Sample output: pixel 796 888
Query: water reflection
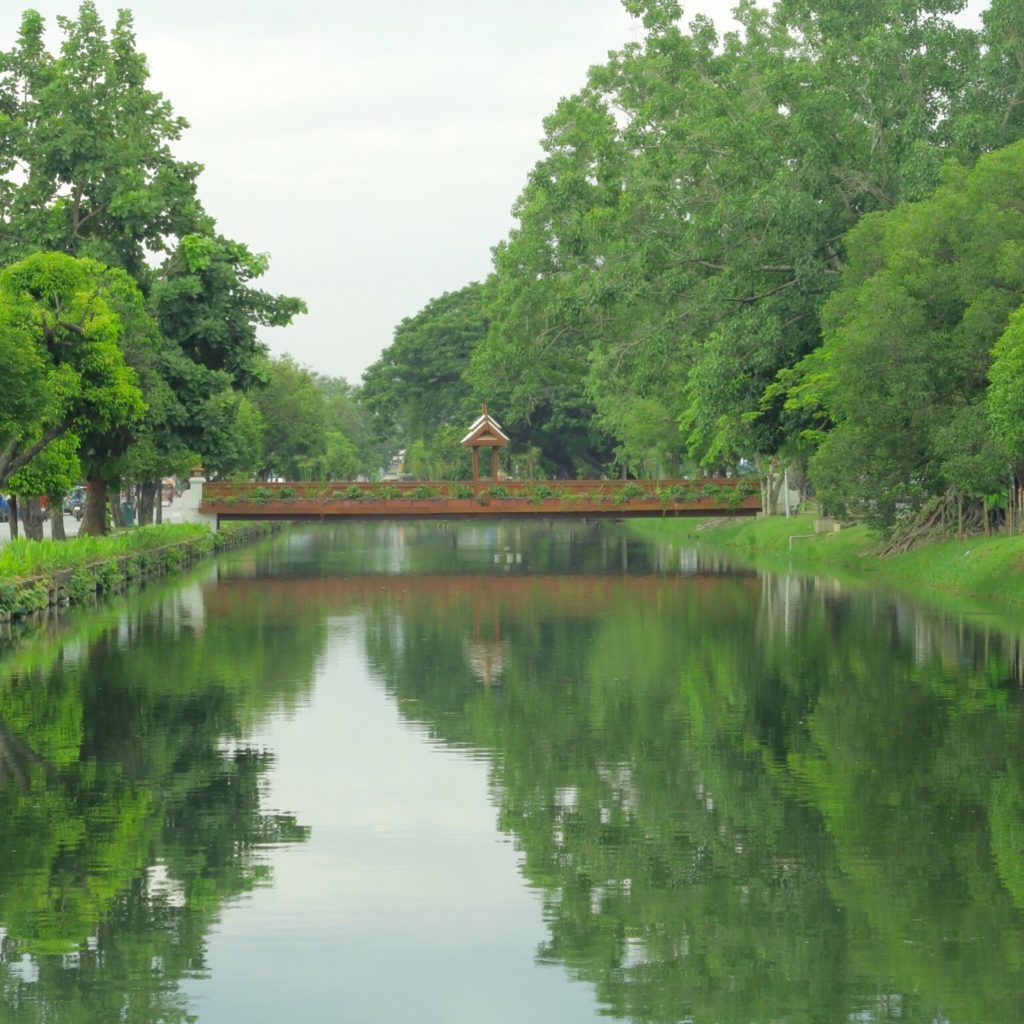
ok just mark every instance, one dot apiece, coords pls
pixel 130 804
pixel 743 799
pixel 739 797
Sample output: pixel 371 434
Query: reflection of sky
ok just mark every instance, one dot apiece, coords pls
pixel 405 905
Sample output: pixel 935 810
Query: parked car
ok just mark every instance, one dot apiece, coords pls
pixel 5 511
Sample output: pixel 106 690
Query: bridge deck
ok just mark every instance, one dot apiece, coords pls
pixel 507 498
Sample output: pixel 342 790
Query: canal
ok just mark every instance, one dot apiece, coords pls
pixel 510 773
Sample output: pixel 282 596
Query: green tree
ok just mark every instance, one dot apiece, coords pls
pixel 61 313
pixel 89 170
pixel 677 240
pixel 1005 397
pixel 52 473
pixel 350 428
pixel 543 301
pixel 904 371
pixel 93 145
pixel 417 387
pixel 293 412
pixel 209 311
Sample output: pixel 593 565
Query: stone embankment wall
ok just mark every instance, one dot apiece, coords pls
pixel 21 598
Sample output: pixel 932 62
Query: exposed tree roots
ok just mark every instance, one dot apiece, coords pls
pixel 950 515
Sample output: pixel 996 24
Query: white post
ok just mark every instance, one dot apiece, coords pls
pixel 185 509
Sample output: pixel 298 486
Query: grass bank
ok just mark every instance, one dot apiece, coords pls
pixel 987 569
pixel 35 575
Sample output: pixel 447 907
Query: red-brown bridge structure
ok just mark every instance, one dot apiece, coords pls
pixel 475 499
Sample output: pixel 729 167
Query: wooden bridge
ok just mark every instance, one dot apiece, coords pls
pixel 581 499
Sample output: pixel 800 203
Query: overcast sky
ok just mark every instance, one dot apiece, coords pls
pixel 373 150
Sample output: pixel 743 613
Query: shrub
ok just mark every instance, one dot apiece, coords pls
pixel 107 575
pixel 28 599
pixel 421 492
pixel 498 492
pixel 81 583
pixel 462 491
pixel 676 493
pixel 389 493
pixel 286 492
pixel 8 596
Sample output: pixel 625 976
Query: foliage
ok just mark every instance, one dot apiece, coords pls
pixel 113 764
pixel 209 312
pixel 304 418
pixel 903 375
pixel 53 472
pixel 92 145
pixel 1005 396
pixel 726 829
pixel 675 243
pixel 416 388
pixel 67 318
pixel 441 456
pixel 87 169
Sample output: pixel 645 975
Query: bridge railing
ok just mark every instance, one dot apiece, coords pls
pixel 705 494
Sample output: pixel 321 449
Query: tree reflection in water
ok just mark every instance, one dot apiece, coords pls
pixel 130 805
pixel 742 798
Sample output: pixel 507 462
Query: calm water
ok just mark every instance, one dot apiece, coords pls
pixel 510 774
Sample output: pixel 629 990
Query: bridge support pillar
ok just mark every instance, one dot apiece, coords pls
pixel 185 509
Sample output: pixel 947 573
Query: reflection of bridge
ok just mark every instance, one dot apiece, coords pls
pixel 584 499
pixel 479 610
pixel 446 595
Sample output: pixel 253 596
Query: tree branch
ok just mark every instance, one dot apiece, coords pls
pixel 749 300
pixel 12 460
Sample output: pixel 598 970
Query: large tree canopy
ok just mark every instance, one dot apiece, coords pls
pixel 62 338
pixel 90 143
pixel 417 387
pixel 903 376
pixel 675 244
pixel 87 168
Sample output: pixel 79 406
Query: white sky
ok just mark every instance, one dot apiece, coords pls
pixel 373 150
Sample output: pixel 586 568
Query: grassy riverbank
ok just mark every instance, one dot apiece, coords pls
pixel 989 569
pixel 38 574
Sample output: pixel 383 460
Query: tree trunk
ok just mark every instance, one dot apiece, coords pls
pixel 94 518
pixel 12 513
pixel 158 502
pixel 146 505
pixel 57 519
pixel 33 518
